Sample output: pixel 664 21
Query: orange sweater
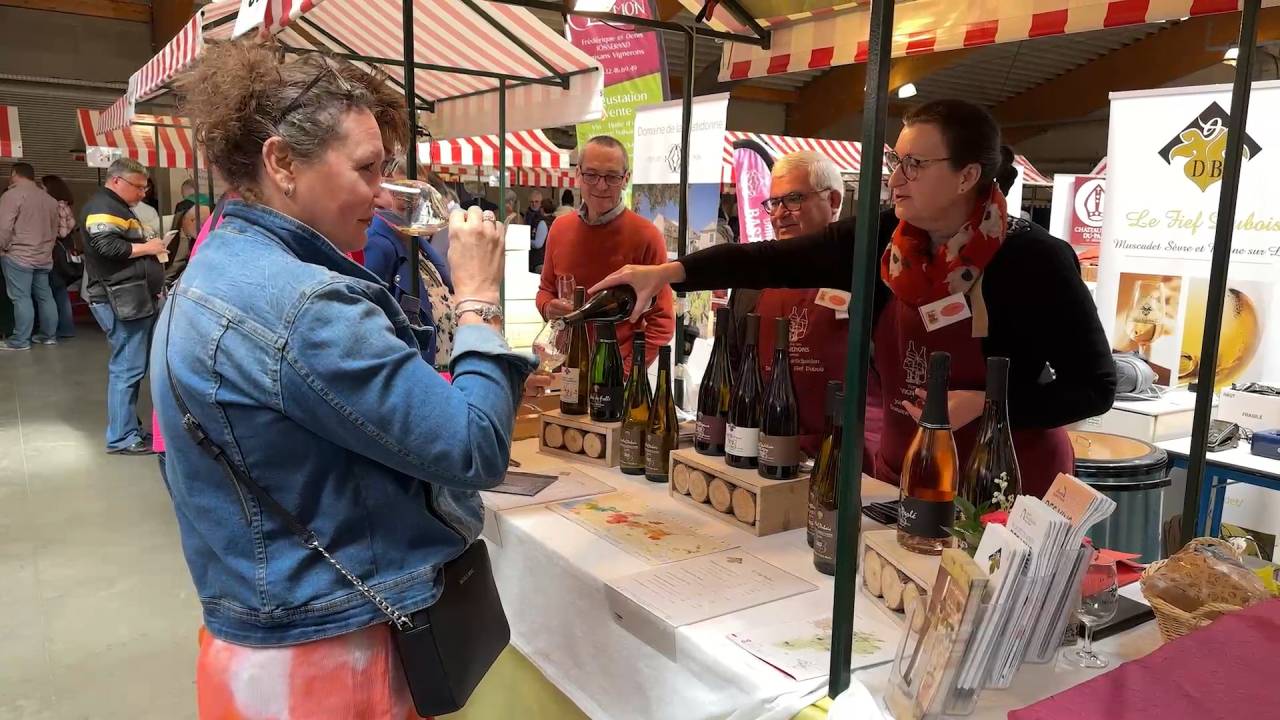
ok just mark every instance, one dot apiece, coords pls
pixel 591 252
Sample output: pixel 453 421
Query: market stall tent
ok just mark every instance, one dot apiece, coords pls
pixel 10 133
pixel 532 160
pixel 161 141
pixel 1029 174
pixel 846 154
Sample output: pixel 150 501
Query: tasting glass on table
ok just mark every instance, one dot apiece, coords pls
pixel 1099 598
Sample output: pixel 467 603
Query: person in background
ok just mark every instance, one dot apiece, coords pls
pixel 953 236
pixel 512 209
pixel 566 204
pixel 68 263
pixel 542 226
pixel 148 215
pixel 387 255
pixel 187 200
pixel 533 214
pixel 28 231
pixel 602 237
pixel 181 239
pixel 805 196
pixel 123 279
pixel 318 380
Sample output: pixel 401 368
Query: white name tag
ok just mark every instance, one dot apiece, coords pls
pixel 947 311
pixel 837 300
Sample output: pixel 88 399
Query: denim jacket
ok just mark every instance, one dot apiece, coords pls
pixel 303 369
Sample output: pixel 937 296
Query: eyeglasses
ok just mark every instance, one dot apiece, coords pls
pixel 909 164
pixel 298 99
pixel 594 178
pixel 790 201
pixel 140 188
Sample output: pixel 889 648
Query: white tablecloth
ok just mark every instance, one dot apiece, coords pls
pixel 551 573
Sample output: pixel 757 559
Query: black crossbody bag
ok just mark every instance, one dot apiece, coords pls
pixel 445 649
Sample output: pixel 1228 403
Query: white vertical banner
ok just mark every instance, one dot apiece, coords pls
pixel 1165 161
pixel 657 141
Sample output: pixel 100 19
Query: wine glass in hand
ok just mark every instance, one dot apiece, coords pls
pixel 1099 596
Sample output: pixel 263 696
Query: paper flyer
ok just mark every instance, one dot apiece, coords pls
pixel 802 649
pixel 655 536
pixel 569 485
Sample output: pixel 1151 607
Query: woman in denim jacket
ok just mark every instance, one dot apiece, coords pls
pixel 301 366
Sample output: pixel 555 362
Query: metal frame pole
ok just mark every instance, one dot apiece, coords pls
pixel 411 152
pixel 1240 92
pixel 502 181
pixel 849 515
pixel 686 120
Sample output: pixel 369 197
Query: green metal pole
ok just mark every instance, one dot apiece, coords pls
pixel 502 181
pixel 686 120
pixel 1191 527
pixel 848 519
pixel 411 152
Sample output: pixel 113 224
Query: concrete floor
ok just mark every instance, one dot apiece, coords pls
pixel 98 616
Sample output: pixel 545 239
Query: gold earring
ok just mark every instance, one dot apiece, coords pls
pixel 288 191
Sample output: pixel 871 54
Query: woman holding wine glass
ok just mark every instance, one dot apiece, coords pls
pixel 958 274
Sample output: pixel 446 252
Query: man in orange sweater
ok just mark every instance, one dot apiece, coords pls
pixel 602 237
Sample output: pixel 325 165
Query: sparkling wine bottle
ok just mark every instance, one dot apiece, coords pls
pixel 993 465
pixel 612 304
pixel 635 420
pixel 577 370
pixel 664 428
pixel 930 471
pixel 605 398
pixel 826 492
pixel 780 421
pixel 829 443
pixel 715 393
pixel 742 433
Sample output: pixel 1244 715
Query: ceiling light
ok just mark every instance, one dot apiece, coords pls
pixel 907 91
pixel 1229 57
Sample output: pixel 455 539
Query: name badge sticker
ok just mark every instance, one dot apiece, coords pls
pixel 947 311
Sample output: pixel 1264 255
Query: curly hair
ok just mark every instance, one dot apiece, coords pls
pixel 241 93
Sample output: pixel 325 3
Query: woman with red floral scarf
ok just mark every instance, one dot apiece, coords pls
pixel 953 241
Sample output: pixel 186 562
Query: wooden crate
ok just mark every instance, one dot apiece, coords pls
pixel 609 434
pixel 779 505
pixel 919 569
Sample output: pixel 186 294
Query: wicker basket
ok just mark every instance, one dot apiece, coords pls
pixel 1174 622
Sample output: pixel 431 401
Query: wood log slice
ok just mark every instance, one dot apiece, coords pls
pixel 721 495
pixel 573 440
pixel 872 572
pixel 913 605
pixel 680 478
pixel 744 505
pixel 553 436
pixel 593 445
pixel 698 483
pixel 893 582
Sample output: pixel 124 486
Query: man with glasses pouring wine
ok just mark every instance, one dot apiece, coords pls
pixel 960 277
pixel 602 237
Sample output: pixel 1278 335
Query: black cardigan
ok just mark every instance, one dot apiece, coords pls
pixel 1039 310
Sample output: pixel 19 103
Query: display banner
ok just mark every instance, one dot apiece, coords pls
pixel 1077 213
pixel 753 173
pixel 1165 160
pixel 634 68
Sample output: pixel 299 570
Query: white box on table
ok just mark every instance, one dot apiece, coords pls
pixel 1249 410
pixel 1153 421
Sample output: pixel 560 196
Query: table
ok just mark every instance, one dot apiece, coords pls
pixel 551 573
pixel 1236 465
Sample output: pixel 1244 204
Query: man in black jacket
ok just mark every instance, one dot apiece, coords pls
pixel 123 279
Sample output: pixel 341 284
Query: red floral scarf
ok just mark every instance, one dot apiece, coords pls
pixel 918 274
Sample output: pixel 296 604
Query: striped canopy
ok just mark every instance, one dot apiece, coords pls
pixel 835 33
pixel 525 149
pixel 516 177
pixel 10 133
pixel 161 141
pixel 1030 175
pixel 846 154
pixel 1101 168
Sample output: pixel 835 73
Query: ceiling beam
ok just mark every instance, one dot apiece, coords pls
pixel 668 9
pixel 167 18
pixel 738 91
pixel 1154 61
pixel 130 10
pixel 840 91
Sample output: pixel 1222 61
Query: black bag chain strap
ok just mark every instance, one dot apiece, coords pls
pixel 240 478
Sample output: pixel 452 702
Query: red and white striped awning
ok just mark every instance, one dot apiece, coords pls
pixel 846 154
pixel 471 35
pixel 154 140
pixel 1100 169
pixel 525 149
pixel 516 177
pixel 838 35
pixel 1030 175
pixel 208 23
pixel 10 133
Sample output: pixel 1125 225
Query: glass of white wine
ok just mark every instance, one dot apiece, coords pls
pixel 1146 315
pixel 551 346
pixel 1099 599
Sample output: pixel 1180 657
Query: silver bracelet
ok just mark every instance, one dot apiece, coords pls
pixel 485 309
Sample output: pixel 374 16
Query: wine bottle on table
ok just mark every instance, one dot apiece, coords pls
pixel 930 471
pixel 635 408
pixel 993 464
pixel 716 392
pixel 664 427
pixel 780 421
pixel 612 304
pixel 577 365
pixel 605 398
pixel 826 492
pixel 742 432
pixel 829 443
